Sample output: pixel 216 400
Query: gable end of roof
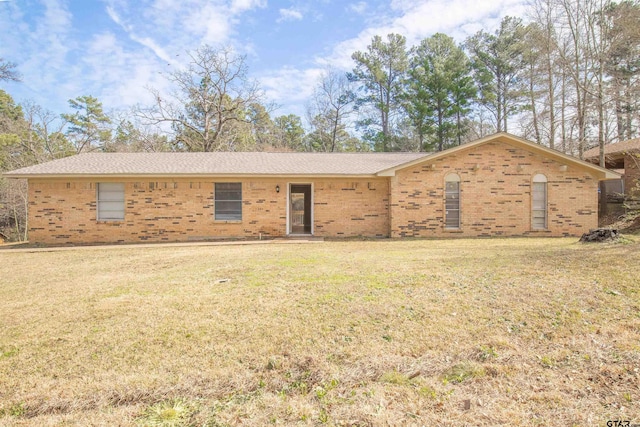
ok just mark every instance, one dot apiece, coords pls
pixel 599 172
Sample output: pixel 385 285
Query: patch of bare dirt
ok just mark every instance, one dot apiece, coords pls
pixel 628 223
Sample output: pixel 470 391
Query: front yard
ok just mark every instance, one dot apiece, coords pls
pixel 531 332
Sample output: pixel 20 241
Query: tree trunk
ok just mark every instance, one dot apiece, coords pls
pixel 563 106
pixel 458 127
pixel 334 133
pixel 440 134
pixel 629 100
pixel 580 107
pixel 499 103
pixel 603 195
pixel 551 98
pixel 532 99
pixel 384 116
pixel 617 90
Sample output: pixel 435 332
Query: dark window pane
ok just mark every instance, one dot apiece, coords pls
pixel 229 191
pixel 452 205
pixel 453 214
pixel 539 222
pixel 539 205
pixel 226 211
pixel 453 219
pixel 228 201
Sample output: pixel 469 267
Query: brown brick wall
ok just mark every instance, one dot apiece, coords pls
pixel 180 210
pixel 352 208
pixel 495 200
pixel 495 195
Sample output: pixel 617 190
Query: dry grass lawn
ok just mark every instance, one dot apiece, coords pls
pixel 530 332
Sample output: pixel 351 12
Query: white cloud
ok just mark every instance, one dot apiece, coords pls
pixel 53 29
pixel 358 8
pixel 41 46
pixel 163 31
pixel 134 89
pixel 149 43
pixel 209 24
pixel 114 16
pixel 290 87
pixel 119 77
pixel 238 6
pixel 290 14
pixel 170 27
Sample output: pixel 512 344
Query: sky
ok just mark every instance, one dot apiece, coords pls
pixel 116 50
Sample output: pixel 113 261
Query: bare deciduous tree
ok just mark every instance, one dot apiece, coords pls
pixel 211 94
pixel 329 109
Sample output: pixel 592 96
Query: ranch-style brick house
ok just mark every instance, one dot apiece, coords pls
pixel 500 185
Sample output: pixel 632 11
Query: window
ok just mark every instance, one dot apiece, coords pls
pixel 110 201
pixel 228 201
pixel 539 202
pixel 452 201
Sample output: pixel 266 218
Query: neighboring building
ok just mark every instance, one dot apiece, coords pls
pixel 622 156
pixel 500 185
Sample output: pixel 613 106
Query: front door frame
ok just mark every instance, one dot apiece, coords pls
pixel 288 225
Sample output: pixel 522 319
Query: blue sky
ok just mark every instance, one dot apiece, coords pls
pixel 116 49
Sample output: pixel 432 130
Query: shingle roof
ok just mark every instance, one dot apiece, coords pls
pixel 220 163
pixel 618 147
pixel 268 164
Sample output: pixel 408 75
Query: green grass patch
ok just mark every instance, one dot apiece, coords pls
pixel 171 413
pixel 462 372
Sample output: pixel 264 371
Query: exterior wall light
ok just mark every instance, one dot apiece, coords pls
pixel 277 188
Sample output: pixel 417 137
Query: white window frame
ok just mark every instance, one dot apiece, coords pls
pixel 216 200
pixel 455 178
pixel 539 186
pixel 110 193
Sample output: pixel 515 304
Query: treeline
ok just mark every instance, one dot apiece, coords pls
pixel 568 77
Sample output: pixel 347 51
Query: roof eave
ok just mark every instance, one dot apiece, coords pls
pixel 610 151
pixel 609 174
pixel 181 175
pixel 392 170
pixel 607 156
